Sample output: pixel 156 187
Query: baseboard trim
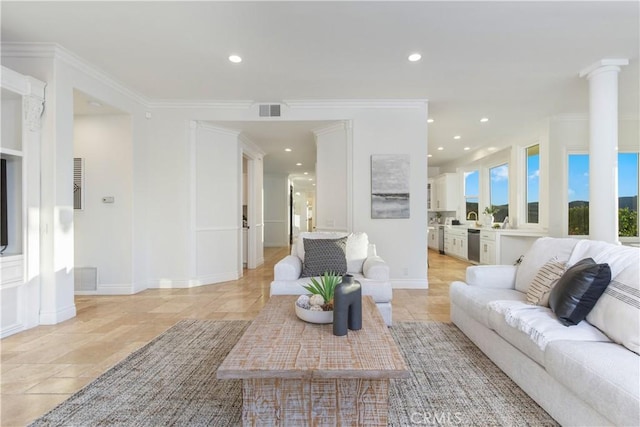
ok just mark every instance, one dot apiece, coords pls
pixel 55 317
pixel 193 283
pixel 409 284
pixel 13 329
pixel 109 290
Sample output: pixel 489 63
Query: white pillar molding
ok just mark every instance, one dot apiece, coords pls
pixel 603 148
pixel 32 107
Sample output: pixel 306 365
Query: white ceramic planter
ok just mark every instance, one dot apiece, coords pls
pixel 314 316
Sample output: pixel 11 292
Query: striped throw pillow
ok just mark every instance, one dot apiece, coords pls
pixel 544 280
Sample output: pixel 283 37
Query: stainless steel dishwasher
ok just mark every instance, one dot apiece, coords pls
pixel 473 245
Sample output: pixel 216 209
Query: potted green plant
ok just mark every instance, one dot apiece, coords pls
pixel 491 210
pixel 324 288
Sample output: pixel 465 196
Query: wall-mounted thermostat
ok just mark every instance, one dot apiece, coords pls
pixel 108 199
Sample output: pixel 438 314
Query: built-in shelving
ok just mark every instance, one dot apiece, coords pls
pixel 22 102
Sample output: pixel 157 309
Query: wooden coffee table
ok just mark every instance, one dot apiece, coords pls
pixel 296 373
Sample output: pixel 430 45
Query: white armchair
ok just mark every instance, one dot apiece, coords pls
pixel 362 262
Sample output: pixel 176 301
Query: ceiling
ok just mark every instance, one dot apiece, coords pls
pixel 512 62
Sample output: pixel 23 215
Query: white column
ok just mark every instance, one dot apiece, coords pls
pixel 603 148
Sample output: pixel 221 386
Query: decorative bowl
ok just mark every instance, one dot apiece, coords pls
pixel 314 316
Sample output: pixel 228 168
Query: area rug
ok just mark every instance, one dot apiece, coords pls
pixel 172 382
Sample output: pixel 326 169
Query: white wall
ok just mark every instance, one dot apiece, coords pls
pixel 102 230
pixel 276 210
pixel 256 211
pixel 11 131
pixel 401 242
pixel 333 157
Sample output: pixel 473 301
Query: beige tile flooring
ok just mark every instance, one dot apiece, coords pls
pixel 43 366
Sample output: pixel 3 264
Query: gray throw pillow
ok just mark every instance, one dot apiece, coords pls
pixel 322 255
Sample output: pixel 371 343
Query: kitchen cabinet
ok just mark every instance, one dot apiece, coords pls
pixel 431 185
pixel 506 246
pixel 456 242
pixel 487 247
pixel 446 194
pixel 433 238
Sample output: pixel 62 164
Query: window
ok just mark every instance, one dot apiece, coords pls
pixel 471 192
pixel 533 184
pixel 578 168
pixel 627 194
pixel 499 191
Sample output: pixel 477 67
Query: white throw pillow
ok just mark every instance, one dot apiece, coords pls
pixel 540 252
pixel 617 312
pixel 544 281
pixel 357 251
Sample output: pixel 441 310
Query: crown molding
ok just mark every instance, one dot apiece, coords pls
pixel 251 147
pixel 183 103
pixel 333 127
pixel 225 131
pixel 55 51
pixel 570 117
pixel 14 81
pixel 585 117
pixel 357 103
pixel 603 65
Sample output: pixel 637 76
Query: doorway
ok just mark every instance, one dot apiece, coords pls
pixel 103 197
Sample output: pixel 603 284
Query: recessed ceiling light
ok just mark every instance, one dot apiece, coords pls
pixel 484 120
pixel 298 164
pixel 414 57
pixel 457 137
pixel 288 150
pixel 313 185
pixel 310 179
pixel 94 103
pixel 440 148
pixel 297 193
pixel 429 120
pixel 467 148
pixel 306 173
pixel 235 59
pixel 430 155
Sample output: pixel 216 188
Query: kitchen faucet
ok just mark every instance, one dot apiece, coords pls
pixel 472 212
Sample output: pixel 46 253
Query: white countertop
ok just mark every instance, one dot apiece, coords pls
pixel 504 231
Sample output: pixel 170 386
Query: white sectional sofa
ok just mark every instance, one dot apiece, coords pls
pixel 362 262
pixel 587 374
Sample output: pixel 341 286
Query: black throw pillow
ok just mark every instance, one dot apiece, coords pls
pixel 578 290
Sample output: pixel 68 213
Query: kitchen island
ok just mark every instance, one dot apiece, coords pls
pixel 497 245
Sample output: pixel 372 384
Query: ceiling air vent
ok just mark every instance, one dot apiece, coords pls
pixel 270 110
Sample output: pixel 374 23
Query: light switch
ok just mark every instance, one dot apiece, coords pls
pixel 108 199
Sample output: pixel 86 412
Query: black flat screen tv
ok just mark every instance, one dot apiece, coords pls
pixel 4 237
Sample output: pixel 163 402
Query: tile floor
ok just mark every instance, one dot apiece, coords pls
pixel 43 366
